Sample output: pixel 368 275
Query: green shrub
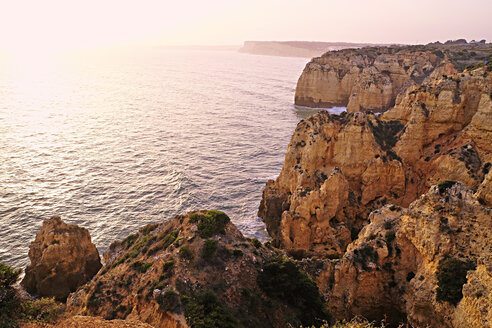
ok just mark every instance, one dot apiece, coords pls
pixel 128 241
pixel 43 310
pixel 168 265
pixel 282 279
pixel 451 276
pixel 9 301
pixel 209 248
pixel 169 239
pixel 141 266
pixel 168 301
pixel 237 253
pixel 445 185
pixel 210 223
pixel 206 311
pixel 185 252
pixel 256 243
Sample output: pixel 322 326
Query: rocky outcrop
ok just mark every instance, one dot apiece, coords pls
pixel 339 168
pixel 428 264
pixel 198 268
pixel 362 80
pixel 370 79
pixel 62 259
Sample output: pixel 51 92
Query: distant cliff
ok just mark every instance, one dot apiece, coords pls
pixel 295 48
pixel 370 79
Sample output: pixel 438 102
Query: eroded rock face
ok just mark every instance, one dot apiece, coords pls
pixel 62 259
pixel 371 79
pixel 339 168
pixel 183 271
pixel 392 270
pixel 367 79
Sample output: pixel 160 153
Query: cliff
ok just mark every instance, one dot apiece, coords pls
pixel 198 270
pixel 428 264
pixel 304 49
pixel 340 168
pixel 370 79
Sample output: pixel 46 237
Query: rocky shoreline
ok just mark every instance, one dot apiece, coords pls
pixel 386 216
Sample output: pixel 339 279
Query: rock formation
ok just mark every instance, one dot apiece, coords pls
pixel 411 264
pixel 339 168
pixel 370 79
pixel 198 270
pixel 62 259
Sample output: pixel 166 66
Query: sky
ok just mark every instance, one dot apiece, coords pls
pixel 65 24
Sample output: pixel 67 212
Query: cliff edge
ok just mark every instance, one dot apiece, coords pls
pixel 370 78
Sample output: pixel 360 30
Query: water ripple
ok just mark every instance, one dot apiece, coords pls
pixel 117 141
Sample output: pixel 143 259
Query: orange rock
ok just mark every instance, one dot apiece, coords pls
pixel 62 259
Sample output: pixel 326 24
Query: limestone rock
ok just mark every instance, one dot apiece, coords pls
pixel 372 78
pixel 392 269
pixel 62 259
pixel 338 169
pixel 367 79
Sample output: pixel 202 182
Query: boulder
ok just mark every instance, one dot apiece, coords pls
pixel 62 259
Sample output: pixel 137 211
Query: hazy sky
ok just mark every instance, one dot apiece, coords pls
pixel 67 24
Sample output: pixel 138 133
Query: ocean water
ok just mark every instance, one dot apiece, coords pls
pixel 112 141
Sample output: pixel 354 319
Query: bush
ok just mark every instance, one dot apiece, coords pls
pixel 210 223
pixel 44 310
pixel 168 265
pixel 185 252
pixel 141 266
pixel 282 279
pixel 451 276
pixel 9 301
pixel 169 239
pixel 130 240
pixel 205 311
pixel 169 301
pixel 256 243
pixel 209 248
pixel 237 253
pixel 445 185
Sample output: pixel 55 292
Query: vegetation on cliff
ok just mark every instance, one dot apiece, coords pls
pixel 15 310
pixel 198 270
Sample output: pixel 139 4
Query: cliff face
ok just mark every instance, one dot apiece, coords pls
pixel 198 270
pixel 370 79
pixel 62 258
pixel 304 49
pixel 339 168
pixel 366 79
pixel 429 264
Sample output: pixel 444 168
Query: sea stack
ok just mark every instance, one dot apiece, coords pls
pixel 62 259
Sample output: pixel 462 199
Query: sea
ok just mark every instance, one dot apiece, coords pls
pixel 114 140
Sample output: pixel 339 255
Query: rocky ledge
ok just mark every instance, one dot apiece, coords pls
pixel 370 79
